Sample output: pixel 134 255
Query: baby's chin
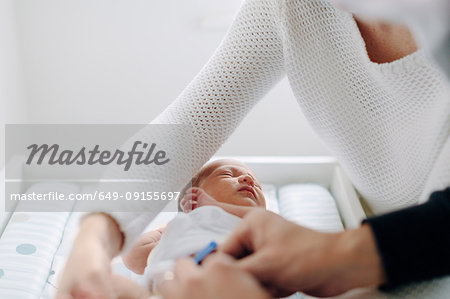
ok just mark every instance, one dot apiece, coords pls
pixel 245 201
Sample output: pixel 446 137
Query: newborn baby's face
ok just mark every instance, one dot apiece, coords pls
pixel 232 182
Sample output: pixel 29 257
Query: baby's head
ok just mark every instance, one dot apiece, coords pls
pixel 230 181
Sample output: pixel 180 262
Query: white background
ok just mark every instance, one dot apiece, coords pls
pixel 124 61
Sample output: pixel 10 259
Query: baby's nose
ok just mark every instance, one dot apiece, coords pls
pixel 247 180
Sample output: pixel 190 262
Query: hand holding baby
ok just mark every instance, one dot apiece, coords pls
pixel 211 280
pixel 286 257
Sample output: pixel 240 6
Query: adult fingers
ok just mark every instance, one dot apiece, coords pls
pixel 258 264
pixel 167 285
pixel 185 271
pixel 223 266
pixel 261 265
pixel 277 292
pixel 185 267
pixel 254 231
pixel 218 258
pixel 168 289
pixel 240 242
pixel 60 295
pixel 125 288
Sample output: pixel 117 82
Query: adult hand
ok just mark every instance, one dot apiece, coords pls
pixel 287 257
pixel 218 278
pixel 88 272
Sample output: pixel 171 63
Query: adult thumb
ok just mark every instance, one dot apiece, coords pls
pixel 258 265
pixel 239 244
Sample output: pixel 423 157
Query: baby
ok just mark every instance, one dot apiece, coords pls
pixel 222 192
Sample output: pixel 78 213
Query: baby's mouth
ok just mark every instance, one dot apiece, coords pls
pixel 248 189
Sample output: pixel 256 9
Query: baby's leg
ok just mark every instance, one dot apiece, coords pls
pixel 127 289
pixel 136 259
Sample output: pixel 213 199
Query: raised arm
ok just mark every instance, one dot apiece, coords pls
pixel 247 64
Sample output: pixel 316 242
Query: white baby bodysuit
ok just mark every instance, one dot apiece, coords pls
pixel 187 234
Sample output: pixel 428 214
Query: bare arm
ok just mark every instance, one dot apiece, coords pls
pixel 106 229
pixel 248 63
pixel 88 268
pixel 136 258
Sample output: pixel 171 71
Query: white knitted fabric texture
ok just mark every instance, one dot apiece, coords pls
pixel 386 123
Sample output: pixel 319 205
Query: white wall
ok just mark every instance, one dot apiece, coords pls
pixel 12 93
pixel 124 61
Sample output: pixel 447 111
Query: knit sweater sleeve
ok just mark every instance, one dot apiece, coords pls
pixel 246 65
pixel 414 243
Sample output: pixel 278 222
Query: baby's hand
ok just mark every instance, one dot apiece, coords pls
pixel 196 197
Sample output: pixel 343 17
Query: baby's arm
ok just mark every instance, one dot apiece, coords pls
pixel 197 197
pixel 136 258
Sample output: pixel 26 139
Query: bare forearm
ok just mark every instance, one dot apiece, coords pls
pixel 136 258
pixel 101 227
pixel 88 268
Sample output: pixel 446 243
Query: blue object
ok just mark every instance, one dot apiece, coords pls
pixel 200 256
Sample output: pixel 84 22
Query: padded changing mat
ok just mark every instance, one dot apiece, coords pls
pixel 27 248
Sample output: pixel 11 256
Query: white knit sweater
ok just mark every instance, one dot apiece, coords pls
pixel 388 124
